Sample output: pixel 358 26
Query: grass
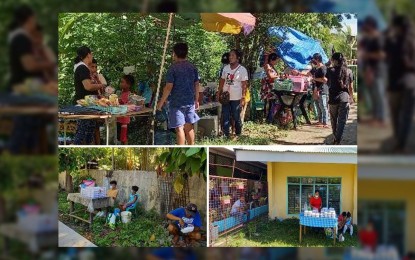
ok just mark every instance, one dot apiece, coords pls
pixel 275 233
pixel 253 133
pixel 145 230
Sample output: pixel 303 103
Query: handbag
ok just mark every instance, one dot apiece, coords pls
pixel 224 98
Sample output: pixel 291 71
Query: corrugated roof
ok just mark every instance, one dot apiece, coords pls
pixel 303 149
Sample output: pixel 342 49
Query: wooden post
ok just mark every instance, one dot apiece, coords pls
pixel 233 167
pixel 300 233
pixel 334 237
pixel 305 232
pixel 91 218
pixel 71 208
pixel 166 42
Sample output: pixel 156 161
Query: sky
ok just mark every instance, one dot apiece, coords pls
pixel 352 23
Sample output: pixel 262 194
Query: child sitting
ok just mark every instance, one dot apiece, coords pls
pixel 112 194
pixel 348 224
pixel 341 221
pixel 132 201
pixel 122 122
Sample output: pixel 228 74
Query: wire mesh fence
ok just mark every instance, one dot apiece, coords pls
pixel 234 202
pixel 169 199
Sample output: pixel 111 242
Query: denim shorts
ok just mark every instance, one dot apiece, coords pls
pixel 178 116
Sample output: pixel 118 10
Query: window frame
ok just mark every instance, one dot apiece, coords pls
pixel 314 185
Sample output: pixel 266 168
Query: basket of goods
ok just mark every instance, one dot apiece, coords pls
pixel 285 85
pixel 109 105
pixel 299 84
pixel 136 100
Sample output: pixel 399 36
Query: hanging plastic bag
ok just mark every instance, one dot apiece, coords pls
pixel 90 208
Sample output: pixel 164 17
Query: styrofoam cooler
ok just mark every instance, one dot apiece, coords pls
pixel 298 83
pixel 94 192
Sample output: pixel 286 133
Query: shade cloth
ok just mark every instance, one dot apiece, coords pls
pixel 231 23
pixel 295 48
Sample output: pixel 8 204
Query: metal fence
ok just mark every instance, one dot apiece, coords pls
pixel 169 198
pixel 234 202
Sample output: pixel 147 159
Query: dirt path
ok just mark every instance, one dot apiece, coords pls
pixel 312 135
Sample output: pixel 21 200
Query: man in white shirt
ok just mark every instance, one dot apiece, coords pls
pixel 238 209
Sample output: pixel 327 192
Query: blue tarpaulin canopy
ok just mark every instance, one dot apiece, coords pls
pixel 296 48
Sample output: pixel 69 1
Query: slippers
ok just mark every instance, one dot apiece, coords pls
pixel 326 126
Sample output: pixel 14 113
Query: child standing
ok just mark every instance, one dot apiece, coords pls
pixel 132 201
pixel 122 122
pixel 182 85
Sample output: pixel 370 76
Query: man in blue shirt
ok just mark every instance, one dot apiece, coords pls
pixel 184 217
pixel 182 92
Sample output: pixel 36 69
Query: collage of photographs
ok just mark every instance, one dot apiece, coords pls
pixel 253 135
pixel 261 111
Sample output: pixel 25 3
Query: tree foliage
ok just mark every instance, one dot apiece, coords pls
pixel 315 25
pixel 185 163
pixel 74 160
pixel 131 39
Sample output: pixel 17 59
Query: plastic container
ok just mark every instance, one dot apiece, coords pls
pixel 94 192
pixel 286 85
pixel 187 229
pixel 215 232
pixel 136 100
pixel 298 83
pixel 89 183
pixel 126 217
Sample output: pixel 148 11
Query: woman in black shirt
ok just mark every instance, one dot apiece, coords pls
pixel 83 87
pixel 338 82
pixel 320 89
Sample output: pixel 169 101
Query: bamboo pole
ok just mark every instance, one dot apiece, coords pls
pixel 166 42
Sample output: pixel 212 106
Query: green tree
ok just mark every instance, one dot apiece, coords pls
pixel 184 163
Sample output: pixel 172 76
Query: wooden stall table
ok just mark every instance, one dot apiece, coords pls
pixel 34 240
pixel 318 222
pixel 290 99
pixel 100 203
pixel 106 117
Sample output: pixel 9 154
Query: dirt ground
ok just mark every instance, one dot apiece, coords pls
pixel 312 135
